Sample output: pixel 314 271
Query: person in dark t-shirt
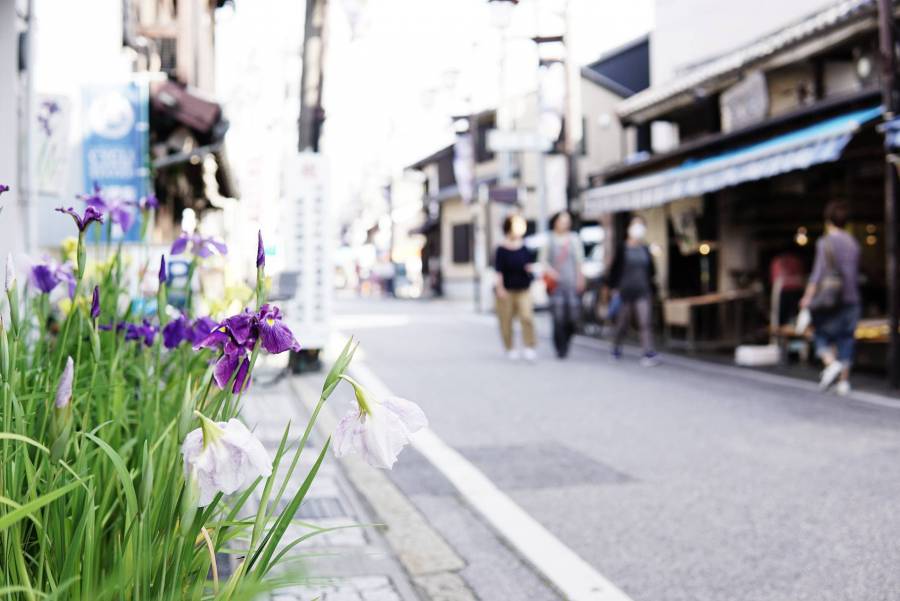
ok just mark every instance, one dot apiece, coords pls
pixel 512 263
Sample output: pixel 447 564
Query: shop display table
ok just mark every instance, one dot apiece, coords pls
pixel 727 309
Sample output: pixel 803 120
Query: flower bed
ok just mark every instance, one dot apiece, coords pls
pixel 125 467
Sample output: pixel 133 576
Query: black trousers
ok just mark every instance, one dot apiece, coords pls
pixel 565 307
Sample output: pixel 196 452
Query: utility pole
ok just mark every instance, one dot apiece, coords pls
pixel 887 47
pixel 311 77
pixel 572 120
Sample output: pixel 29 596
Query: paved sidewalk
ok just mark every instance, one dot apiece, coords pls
pixel 352 564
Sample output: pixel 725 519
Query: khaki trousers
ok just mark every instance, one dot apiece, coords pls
pixel 516 304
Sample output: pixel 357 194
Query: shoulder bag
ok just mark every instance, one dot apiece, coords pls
pixel 830 289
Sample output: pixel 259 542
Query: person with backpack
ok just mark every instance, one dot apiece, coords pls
pixel 562 258
pixel 832 297
pixel 632 282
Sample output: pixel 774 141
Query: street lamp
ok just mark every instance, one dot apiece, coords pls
pixel 501 12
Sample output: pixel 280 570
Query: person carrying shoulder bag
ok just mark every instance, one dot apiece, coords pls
pixel 562 258
pixel 832 297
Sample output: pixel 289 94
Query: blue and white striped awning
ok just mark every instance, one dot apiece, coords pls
pixel 813 145
pixel 891 131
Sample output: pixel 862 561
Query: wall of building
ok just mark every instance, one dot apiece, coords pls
pixel 457 277
pixel 12 218
pixel 604 135
pixel 687 32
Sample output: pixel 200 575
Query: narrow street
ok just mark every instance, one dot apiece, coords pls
pixel 675 483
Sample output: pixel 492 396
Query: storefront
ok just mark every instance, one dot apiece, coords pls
pixel 724 216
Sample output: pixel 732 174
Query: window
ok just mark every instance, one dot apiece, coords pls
pixel 462 243
pixel 485 125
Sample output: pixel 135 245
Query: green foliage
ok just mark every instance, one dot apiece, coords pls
pixel 94 505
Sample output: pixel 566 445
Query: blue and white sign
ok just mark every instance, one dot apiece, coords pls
pixel 115 143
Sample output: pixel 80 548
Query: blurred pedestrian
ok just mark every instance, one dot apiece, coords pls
pixel 832 296
pixel 562 258
pixel 513 264
pixel 786 276
pixel 631 278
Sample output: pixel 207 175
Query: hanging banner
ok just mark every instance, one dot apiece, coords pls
pixel 685 214
pixel 464 167
pixel 115 143
pixel 51 143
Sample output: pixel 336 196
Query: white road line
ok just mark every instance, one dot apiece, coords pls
pixel 570 574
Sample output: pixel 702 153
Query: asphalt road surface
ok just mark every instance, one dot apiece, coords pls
pixel 675 483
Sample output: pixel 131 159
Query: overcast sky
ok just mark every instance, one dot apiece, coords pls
pixel 396 71
pixel 391 87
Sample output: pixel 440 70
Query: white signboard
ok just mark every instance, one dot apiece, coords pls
pixel 745 103
pixel 309 241
pixel 517 141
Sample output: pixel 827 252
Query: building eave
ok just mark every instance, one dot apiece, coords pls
pixel 606 83
pixel 712 142
pixel 432 158
pixel 823 30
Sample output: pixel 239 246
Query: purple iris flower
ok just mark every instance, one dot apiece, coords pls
pixel 162 269
pixel 90 214
pixel 147 202
pixel 233 336
pixel 234 346
pixel 181 330
pixel 95 303
pixel 66 274
pixel 237 365
pixel 238 334
pixel 144 331
pixel 274 335
pixel 260 251
pixel 176 332
pixel 117 209
pixel 108 327
pixel 4 188
pixel 201 246
pixel 201 328
pixel 45 276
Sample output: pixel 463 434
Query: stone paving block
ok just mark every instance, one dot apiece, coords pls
pixel 363 588
pixel 445 586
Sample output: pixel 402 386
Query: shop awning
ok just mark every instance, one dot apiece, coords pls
pixel 892 134
pixel 813 145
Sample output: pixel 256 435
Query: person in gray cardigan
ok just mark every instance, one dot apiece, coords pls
pixel 836 266
pixel 562 258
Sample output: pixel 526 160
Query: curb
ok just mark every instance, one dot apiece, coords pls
pixel 699 365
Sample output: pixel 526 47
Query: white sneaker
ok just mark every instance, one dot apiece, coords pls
pixel 513 354
pixel 650 360
pixel 843 388
pixel 830 374
pixel 530 354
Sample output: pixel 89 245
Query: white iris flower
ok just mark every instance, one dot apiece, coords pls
pixel 377 429
pixel 223 457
